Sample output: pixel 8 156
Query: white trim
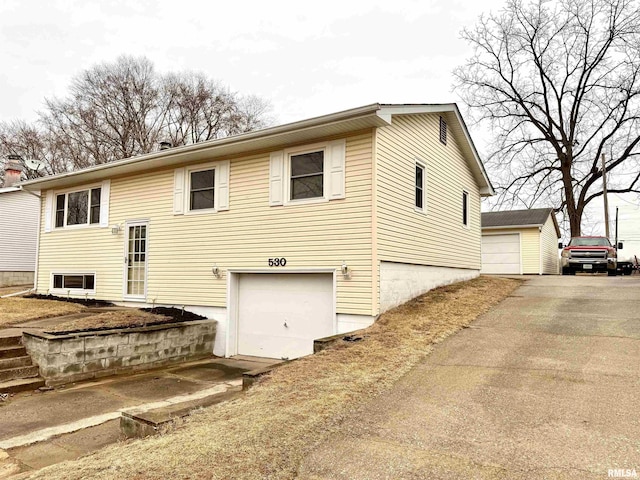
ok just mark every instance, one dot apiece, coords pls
pixel 217 167
pixel 38 236
pixel 507 227
pixel 80 188
pixel 233 298
pixel 420 163
pixel 105 195
pixel 125 296
pixel 331 167
pixel 72 291
pixel 300 150
pixel 540 249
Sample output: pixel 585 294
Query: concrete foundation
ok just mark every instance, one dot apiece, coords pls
pixel 70 358
pixel 400 282
pixel 9 279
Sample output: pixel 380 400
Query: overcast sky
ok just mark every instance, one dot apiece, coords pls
pixel 306 58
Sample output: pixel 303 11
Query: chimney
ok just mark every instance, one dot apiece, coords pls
pixel 12 170
pixel 165 145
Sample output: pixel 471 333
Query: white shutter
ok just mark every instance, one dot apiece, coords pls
pixel 222 178
pixel 48 211
pixel 178 191
pixel 276 178
pixel 337 153
pixel 104 203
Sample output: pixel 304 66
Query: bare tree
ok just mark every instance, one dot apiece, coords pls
pixel 28 142
pixel 559 84
pixel 121 109
pixel 113 111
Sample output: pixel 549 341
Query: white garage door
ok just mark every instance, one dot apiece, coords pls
pixel 279 315
pixel 501 254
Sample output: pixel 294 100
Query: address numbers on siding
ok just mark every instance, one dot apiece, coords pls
pixel 277 262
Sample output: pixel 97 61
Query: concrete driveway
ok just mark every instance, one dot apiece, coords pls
pixel 546 385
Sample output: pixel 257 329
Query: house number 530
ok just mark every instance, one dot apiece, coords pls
pixel 277 262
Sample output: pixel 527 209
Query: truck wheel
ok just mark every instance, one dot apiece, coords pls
pixel 566 271
pixel 611 273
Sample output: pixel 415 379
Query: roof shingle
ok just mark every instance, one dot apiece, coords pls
pixel 531 217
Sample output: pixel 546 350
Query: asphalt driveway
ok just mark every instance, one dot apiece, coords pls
pixel 546 385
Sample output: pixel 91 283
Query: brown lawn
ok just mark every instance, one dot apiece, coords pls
pixel 112 319
pixel 266 433
pixel 18 309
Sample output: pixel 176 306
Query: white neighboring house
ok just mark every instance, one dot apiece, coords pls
pixel 19 216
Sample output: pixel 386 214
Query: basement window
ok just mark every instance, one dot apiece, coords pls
pixel 76 282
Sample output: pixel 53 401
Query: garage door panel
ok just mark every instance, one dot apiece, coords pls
pixel 279 315
pixel 501 254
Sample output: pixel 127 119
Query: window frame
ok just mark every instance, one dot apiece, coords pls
pixel 465 209
pixel 187 188
pixel 301 150
pixel 66 192
pixel 422 165
pixel 72 291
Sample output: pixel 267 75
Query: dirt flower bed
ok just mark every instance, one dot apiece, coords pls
pixel 110 320
pixel 87 302
pixel 267 432
pixel 15 310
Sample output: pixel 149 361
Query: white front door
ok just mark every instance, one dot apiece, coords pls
pixel 281 314
pixel 135 261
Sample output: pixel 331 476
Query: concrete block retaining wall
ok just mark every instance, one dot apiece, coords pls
pixel 80 356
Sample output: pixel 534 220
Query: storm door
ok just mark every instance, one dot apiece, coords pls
pixel 135 275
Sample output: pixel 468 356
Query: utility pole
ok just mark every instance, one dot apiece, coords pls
pixel 606 202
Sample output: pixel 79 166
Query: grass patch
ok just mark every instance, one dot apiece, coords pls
pixel 109 320
pixel 267 432
pixel 19 309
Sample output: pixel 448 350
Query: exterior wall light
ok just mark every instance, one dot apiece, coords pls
pixel 215 270
pixel 115 229
pixel 346 272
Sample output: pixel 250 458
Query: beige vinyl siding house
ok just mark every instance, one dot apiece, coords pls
pixel 521 242
pixel 299 239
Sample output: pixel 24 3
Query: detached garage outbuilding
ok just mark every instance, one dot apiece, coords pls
pixel 520 242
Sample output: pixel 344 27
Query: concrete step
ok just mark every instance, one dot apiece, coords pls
pixel 19 372
pixel 10 341
pixel 24 361
pixel 12 351
pixel 142 424
pixel 21 385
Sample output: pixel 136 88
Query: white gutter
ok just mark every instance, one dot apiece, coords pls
pixel 503 227
pixel 236 140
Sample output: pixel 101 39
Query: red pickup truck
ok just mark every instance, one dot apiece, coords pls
pixel 589 254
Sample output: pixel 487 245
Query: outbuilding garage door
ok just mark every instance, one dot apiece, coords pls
pixel 501 254
pixel 279 315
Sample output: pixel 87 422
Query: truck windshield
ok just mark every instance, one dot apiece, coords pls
pixel 589 242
